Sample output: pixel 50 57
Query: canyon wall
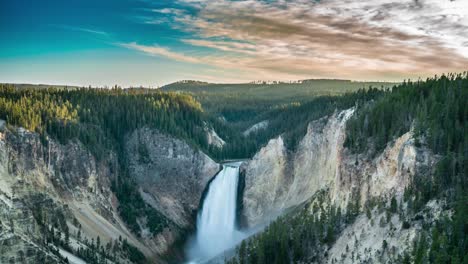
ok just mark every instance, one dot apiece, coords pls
pixel 40 176
pixel 171 175
pixel 278 179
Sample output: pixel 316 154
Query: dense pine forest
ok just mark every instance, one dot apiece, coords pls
pixel 100 118
pixel 244 104
pixel 288 107
pixel 292 121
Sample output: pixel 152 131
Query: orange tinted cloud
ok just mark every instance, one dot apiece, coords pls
pixel 383 40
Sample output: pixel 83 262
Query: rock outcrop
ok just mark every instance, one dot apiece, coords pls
pixel 266 182
pixel 256 127
pixel 171 174
pixel 377 238
pixel 213 139
pixel 59 182
pixel 277 179
pixel 44 181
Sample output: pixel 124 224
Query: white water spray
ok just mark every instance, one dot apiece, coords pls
pixel 216 223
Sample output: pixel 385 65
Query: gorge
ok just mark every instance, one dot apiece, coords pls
pixel 327 182
pixel 234 132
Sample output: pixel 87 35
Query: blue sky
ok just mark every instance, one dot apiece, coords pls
pixel 152 43
pixel 77 42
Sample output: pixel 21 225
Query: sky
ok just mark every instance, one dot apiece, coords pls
pixel 155 42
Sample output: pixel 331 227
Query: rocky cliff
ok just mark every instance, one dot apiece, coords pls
pixel 45 185
pixel 170 174
pixel 278 179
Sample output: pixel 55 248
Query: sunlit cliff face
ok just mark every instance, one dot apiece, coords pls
pixel 296 39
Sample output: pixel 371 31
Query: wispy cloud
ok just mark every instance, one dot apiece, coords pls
pixel 81 29
pixel 160 51
pixel 300 39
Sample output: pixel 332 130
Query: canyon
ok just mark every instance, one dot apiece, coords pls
pixel 171 177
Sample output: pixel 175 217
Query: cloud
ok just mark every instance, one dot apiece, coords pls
pixel 81 29
pixel 160 51
pixel 301 39
pixel 168 11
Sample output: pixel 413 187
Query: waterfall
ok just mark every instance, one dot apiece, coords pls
pixel 216 222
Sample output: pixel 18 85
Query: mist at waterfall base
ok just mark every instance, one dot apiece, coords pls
pixel 216 222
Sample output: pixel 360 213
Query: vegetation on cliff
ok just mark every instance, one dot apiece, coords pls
pixel 288 107
pixel 437 111
pixel 100 119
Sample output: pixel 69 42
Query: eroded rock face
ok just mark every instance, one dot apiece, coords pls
pixel 213 139
pixel 66 181
pixel 64 172
pixel 62 182
pixel 380 239
pixel 277 180
pixel 317 159
pixel 171 174
pixel 386 175
pixel 256 127
pixel 266 181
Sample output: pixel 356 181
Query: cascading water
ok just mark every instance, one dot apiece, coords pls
pixel 216 223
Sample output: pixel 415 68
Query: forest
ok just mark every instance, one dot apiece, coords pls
pixel 289 107
pixel 246 104
pixel 435 109
pixel 100 119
